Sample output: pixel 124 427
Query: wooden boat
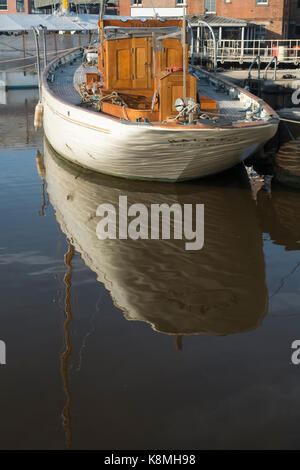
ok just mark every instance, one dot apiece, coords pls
pixel 143 113
pixel 219 290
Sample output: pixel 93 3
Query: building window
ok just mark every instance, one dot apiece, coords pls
pixel 20 6
pixel 181 2
pixel 262 2
pixel 260 32
pixel 3 4
pixel 210 6
pixel 136 3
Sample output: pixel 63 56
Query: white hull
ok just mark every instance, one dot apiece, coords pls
pixel 131 150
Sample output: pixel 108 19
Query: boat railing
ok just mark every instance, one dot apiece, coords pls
pixel 67 58
pixel 217 83
pixel 250 103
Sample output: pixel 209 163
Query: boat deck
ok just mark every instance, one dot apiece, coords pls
pixel 229 108
pixel 68 77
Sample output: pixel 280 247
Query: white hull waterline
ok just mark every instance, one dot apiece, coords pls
pixel 127 149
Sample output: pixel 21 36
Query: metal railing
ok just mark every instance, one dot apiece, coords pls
pixel 229 50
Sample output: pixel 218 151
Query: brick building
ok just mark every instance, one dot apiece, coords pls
pixel 273 19
pixel 15 6
pixel 271 16
pixel 29 6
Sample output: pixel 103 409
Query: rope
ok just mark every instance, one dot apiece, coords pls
pixel 11 47
pixel 20 67
pixel 31 57
pixel 289 120
pixel 125 113
pixel 204 115
pixel 187 110
pixel 115 99
pixel 33 63
pixel 84 94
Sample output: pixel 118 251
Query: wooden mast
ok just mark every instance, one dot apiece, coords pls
pixel 101 26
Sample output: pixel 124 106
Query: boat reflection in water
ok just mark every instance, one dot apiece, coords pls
pixel 218 290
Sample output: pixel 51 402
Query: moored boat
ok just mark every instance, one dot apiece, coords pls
pixel 143 113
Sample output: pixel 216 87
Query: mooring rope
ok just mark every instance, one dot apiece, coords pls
pixel 30 57
pixel 33 64
pixel 289 120
pixel 114 97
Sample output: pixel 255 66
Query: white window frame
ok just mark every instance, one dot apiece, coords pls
pixel 209 10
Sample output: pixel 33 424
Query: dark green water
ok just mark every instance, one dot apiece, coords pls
pixel 140 344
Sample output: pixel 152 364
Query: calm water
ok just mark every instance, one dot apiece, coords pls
pixel 141 344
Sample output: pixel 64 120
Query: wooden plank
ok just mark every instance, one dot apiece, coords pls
pixel 118 64
pixel 171 89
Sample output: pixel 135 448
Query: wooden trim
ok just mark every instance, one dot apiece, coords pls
pixel 136 23
pixel 161 126
pixel 90 126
